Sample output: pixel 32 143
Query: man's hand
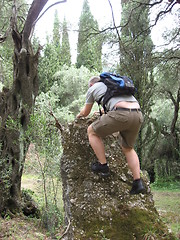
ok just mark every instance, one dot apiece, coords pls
pixel 79 115
pixel 85 111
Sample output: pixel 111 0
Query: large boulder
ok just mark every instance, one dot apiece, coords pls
pixel 97 208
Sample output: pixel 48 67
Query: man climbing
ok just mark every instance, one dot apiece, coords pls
pixel 124 116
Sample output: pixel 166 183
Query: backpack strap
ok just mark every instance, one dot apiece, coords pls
pixel 105 100
pixel 99 105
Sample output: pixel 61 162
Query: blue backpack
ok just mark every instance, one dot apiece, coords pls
pixel 116 85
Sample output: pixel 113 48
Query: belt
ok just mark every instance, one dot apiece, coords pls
pixel 127 109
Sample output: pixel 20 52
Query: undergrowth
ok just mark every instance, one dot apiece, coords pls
pixel 166 184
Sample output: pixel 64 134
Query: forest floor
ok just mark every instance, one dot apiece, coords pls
pixel 167 203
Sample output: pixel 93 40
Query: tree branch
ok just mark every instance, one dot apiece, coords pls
pixel 34 23
pixel 171 97
pixel 47 10
pixel 33 14
pixel 57 123
pixel 167 10
pixel 114 24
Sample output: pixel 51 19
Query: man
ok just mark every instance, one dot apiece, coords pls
pixel 123 116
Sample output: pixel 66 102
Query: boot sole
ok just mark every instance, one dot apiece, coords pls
pixel 104 175
pixel 143 191
pixel 101 174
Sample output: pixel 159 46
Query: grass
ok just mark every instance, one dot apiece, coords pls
pixel 167 202
pixel 30 181
pixel 35 184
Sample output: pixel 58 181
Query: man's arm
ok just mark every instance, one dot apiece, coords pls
pixel 85 111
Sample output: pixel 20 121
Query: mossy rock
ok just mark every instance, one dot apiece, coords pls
pixel 97 208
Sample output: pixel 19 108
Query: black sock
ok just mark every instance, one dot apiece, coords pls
pixel 137 180
pixel 103 164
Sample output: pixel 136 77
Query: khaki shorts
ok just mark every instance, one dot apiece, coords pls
pixel 127 123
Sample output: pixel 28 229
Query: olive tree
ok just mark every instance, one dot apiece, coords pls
pixel 17 103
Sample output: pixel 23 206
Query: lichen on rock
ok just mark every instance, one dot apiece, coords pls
pixel 98 208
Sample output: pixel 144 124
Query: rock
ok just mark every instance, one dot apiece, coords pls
pixel 97 208
pixel 29 206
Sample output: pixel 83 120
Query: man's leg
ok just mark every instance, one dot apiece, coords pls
pixel 133 161
pixel 97 145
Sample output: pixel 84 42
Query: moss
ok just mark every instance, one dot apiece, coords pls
pixel 129 224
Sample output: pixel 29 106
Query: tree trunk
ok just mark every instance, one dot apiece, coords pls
pixel 174 134
pixel 16 107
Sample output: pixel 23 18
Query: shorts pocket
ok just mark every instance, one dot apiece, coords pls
pixel 119 115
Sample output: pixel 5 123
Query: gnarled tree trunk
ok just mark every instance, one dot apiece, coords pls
pixel 16 106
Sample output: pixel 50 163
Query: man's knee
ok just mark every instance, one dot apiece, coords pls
pixel 126 150
pixel 90 131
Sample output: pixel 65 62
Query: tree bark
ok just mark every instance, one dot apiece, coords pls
pixel 16 107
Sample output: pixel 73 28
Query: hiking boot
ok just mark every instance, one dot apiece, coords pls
pixel 102 169
pixel 137 187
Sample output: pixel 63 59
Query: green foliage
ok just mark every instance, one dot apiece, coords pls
pixel 5 182
pixel 5 171
pixel 49 64
pixel 163 111
pixel 48 150
pixel 165 167
pixel 166 183
pixel 166 151
pixel 67 95
pixel 64 99
pixel 68 113
pixel 28 192
pixel 30 208
pixel 41 132
pixel 168 74
pixel 158 88
pixel 12 124
pixel 151 235
pixel 6 65
pixel 52 218
pixel 136 52
pixel 56 53
pixel 1 86
pixel 89 46
pixel 136 48
pixel 56 30
pixel 65 47
pixel 72 83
